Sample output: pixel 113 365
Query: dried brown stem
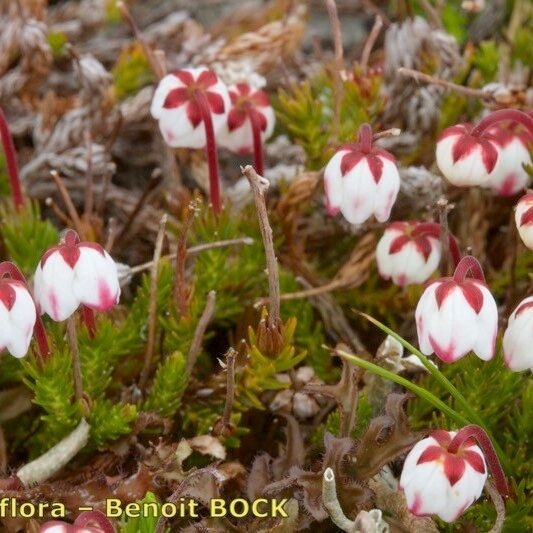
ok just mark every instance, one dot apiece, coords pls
pixel 196 250
pixel 259 185
pixel 68 204
pixel 338 87
pixel 370 42
pixel 155 65
pixel 181 290
pixel 152 309
pixel 223 426
pixel 72 339
pixel 392 132
pixel 49 202
pixel 306 293
pixel 426 78
pixel 196 344
pixel 442 208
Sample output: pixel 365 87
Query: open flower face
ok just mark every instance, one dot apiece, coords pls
pixel 75 273
pixel 437 482
pixel 247 105
pixel 361 183
pixel 456 317
pixel 518 337
pixel 524 219
pixel 465 159
pixel 509 175
pixel 17 317
pixel 407 254
pixel 177 108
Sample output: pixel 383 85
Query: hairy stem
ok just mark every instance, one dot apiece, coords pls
pixel 72 339
pixel 485 444
pixel 258 143
pixel 332 504
pixel 499 505
pixel 210 150
pixel 468 264
pixel 503 115
pixel 365 138
pixel 258 185
pixel 11 162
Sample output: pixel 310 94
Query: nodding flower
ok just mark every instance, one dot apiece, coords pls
pixel 457 315
pixel 191 106
pixel 518 337
pixel 361 180
pixel 87 522
pixel 470 155
pixel 17 316
pixel 409 252
pixel 249 123
pixel 75 273
pixel 524 219
pixel 444 474
pixel 509 177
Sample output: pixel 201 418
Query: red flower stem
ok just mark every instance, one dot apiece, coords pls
pixel 473 431
pixel 468 264
pixel 40 333
pixel 434 229
pixel 502 115
pixel 95 518
pixel 365 138
pixel 88 320
pixel 258 144
pixel 210 149
pixel 11 162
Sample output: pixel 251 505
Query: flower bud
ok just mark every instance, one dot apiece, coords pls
pixel 524 219
pixel 75 273
pixel 17 317
pixel 360 181
pixel 443 483
pixel 518 337
pixel 407 254
pixel 246 105
pixel 509 175
pixel 457 315
pixel 464 158
pixel 176 106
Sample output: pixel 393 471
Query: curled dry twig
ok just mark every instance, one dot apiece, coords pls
pixel 259 185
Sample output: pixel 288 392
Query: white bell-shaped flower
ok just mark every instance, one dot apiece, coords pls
pixel 75 273
pixel 518 337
